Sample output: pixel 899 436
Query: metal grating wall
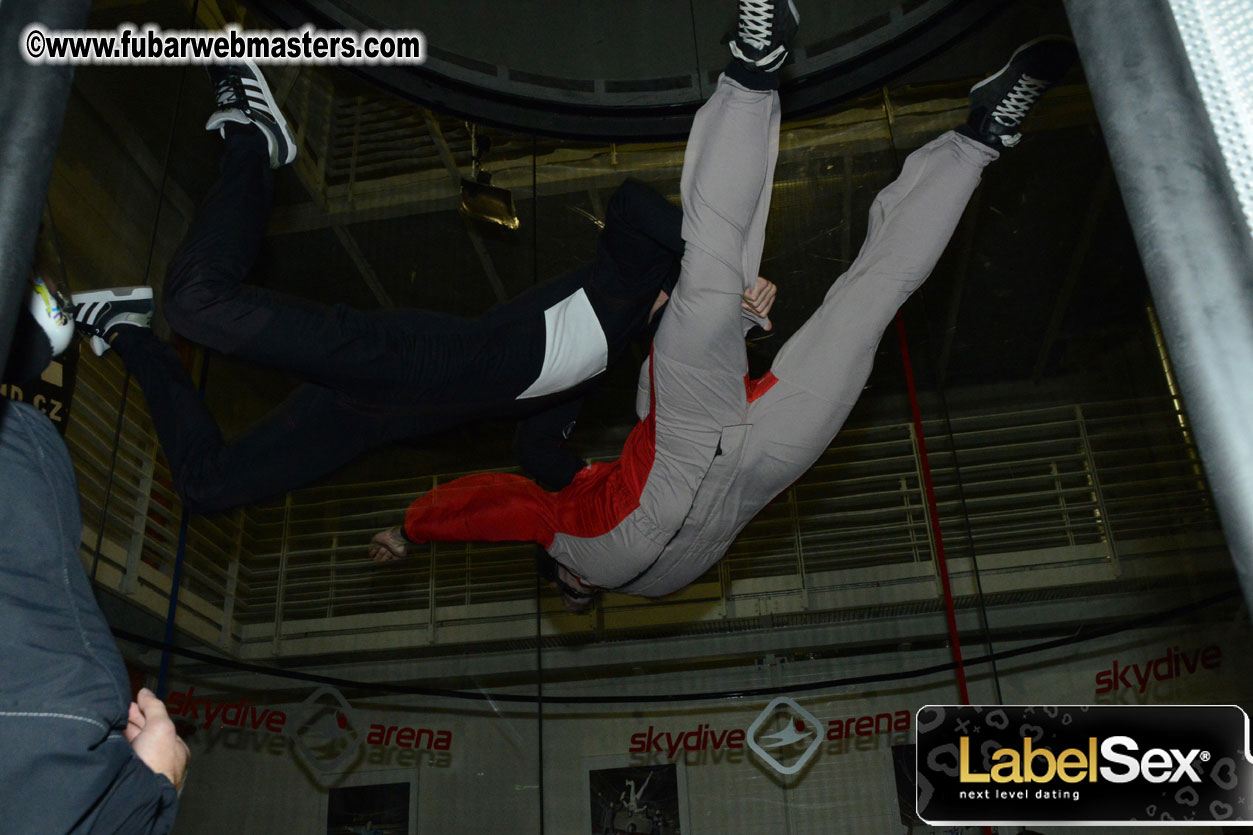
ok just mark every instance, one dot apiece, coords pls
pixel 1070 488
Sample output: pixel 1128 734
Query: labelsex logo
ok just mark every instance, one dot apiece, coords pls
pixel 1158 765
pixel 1083 765
pixel 798 726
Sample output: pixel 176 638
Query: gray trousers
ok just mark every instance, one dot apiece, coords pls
pixel 824 366
pixel 695 500
pixel 698 359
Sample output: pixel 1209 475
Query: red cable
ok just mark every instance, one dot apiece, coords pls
pixel 929 488
pixel 941 563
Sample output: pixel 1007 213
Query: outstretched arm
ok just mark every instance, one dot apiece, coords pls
pixel 389 545
pixel 487 507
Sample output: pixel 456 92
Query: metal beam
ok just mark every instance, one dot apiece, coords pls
pixel 1193 238
pixel 730 650
pixel 32 106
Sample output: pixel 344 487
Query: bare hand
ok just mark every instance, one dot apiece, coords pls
pixel 760 299
pixel 388 546
pixel 658 303
pixel 154 740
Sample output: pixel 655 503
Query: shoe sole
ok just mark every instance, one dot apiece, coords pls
pixel 138 293
pixel 98 345
pixel 1042 39
pixel 274 108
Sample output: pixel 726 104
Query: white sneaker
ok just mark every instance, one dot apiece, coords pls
pixel 765 28
pixel 245 98
pixel 98 312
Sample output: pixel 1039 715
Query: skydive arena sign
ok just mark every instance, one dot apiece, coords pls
pixel 1180 765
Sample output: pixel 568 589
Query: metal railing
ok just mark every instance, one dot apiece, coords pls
pixel 1086 481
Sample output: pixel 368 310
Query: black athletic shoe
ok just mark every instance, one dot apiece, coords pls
pixel 245 98
pixel 764 31
pixel 97 313
pixel 1000 103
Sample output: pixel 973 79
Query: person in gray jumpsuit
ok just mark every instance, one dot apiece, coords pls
pixel 710 450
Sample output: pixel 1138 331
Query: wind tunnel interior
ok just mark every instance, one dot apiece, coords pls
pixel 1052 474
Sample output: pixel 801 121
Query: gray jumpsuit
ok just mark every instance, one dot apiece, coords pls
pixel 717 458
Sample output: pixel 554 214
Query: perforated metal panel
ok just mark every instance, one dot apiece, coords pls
pixel 1218 38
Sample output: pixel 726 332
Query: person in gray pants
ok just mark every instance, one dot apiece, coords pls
pixel 711 450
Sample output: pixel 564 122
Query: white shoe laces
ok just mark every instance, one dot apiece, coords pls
pixel 234 92
pixel 1014 107
pixel 227 97
pixel 755 19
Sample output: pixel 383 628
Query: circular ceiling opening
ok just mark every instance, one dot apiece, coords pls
pixel 628 69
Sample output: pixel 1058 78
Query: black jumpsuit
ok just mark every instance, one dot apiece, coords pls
pixel 378 376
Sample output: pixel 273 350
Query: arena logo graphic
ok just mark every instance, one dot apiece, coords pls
pixel 791 729
pixel 326 732
pixel 1019 765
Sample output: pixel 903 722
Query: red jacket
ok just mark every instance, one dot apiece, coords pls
pixel 503 507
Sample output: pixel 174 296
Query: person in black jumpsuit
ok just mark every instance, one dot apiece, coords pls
pixel 373 377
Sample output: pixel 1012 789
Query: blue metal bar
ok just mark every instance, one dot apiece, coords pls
pixel 175 582
pixel 176 579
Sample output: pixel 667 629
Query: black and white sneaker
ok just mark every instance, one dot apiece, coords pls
pixel 245 98
pixel 765 28
pixel 97 313
pixel 1000 103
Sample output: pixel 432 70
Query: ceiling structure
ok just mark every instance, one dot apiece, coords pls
pixel 368 214
pixel 629 70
